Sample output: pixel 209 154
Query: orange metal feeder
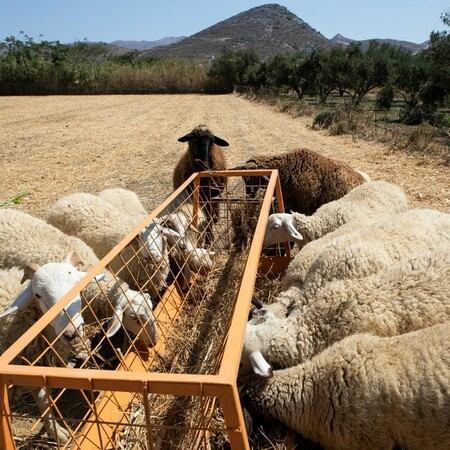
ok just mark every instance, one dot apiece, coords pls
pixel 128 396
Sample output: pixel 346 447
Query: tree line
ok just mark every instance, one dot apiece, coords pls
pixel 421 80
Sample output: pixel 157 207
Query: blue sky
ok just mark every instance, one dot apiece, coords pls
pixel 110 20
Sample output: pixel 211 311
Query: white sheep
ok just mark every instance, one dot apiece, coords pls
pixel 366 392
pixel 49 283
pixel 190 256
pixel 392 284
pixel 125 200
pixel 25 238
pixel 102 226
pixel 18 312
pixel 368 199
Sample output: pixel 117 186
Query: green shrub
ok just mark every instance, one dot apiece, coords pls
pixel 385 97
pixel 339 128
pixel 325 119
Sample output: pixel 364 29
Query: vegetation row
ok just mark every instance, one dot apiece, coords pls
pixel 421 81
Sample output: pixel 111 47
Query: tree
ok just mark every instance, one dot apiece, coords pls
pixel 231 68
pixel 367 70
pixel 438 54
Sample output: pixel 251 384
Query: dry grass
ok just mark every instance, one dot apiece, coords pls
pixel 53 146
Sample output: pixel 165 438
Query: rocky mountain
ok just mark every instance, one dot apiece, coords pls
pixel 342 40
pixel 268 29
pixel 144 45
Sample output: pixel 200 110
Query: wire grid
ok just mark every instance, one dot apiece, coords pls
pixel 193 313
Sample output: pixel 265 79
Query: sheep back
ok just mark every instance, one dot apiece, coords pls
pixel 124 200
pixel 25 239
pixel 366 392
pixel 309 179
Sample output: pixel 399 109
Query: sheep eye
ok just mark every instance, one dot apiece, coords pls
pixel 38 296
pixel 275 226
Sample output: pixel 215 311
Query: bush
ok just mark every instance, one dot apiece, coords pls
pixel 325 119
pixel 385 97
pixel 338 128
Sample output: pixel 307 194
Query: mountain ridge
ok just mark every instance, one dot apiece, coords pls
pixel 267 29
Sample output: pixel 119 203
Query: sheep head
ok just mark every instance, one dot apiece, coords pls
pixel 252 183
pixel 49 283
pixel 134 313
pixel 280 228
pixel 200 142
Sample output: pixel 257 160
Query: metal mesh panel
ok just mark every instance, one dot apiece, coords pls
pixel 115 392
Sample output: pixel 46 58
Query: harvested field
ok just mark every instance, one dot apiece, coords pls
pixel 51 146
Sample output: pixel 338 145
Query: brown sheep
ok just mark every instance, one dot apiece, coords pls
pixel 203 153
pixel 308 179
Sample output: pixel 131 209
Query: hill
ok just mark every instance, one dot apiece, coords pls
pixel 342 40
pixel 268 29
pixel 144 45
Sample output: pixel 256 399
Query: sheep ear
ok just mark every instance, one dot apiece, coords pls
pixel 293 232
pixel 29 271
pixel 73 258
pixel 185 278
pixel 97 278
pixel 115 322
pixel 186 137
pixel 20 301
pixel 220 142
pixel 260 366
pixel 250 165
pixel 238 168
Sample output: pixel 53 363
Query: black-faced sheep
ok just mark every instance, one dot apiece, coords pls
pixel 366 392
pixel 308 179
pixel 204 153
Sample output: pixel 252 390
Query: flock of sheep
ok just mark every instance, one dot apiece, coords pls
pixel 353 352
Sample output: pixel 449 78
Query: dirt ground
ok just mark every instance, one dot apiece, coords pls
pixel 51 146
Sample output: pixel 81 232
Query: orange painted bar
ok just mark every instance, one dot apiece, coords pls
pixel 6 434
pixel 234 419
pixel 114 405
pixel 233 347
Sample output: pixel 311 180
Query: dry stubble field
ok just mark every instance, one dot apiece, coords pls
pixel 51 146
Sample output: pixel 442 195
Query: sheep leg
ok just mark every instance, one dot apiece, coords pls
pixel 54 429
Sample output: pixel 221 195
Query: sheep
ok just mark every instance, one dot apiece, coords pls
pixel 25 238
pixel 49 283
pixel 126 201
pixel 369 199
pixel 366 392
pixel 102 226
pixel 308 179
pixel 190 256
pixel 388 286
pixel 19 312
pixel 203 153
pixel 10 285
pixel 367 245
